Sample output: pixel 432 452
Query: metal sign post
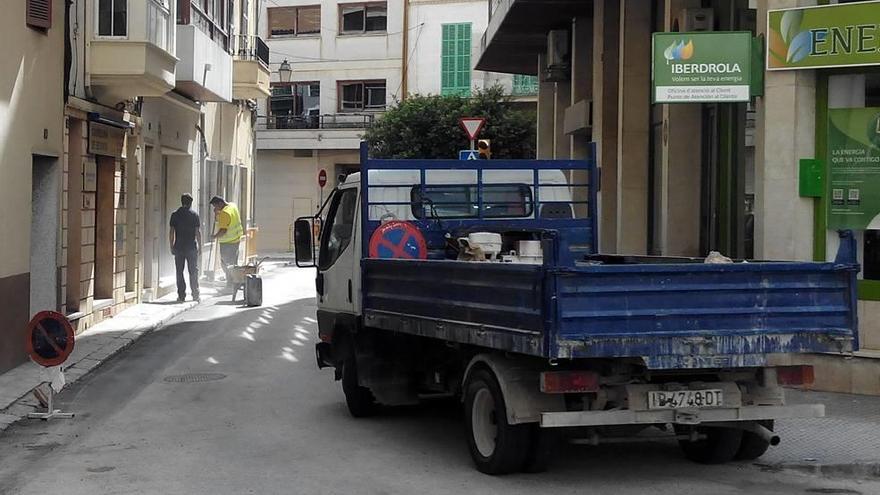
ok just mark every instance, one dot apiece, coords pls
pixel 50 341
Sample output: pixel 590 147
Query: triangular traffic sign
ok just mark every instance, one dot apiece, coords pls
pixel 472 126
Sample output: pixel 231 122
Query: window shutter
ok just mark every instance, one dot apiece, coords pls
pixel 39 13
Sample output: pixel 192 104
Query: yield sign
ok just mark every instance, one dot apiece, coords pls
pixel 472 126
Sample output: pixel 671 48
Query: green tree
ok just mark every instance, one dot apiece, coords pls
pixel 427 127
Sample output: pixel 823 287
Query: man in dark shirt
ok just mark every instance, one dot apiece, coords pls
pixel 186 244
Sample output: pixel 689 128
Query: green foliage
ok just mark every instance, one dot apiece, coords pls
pixel 427 127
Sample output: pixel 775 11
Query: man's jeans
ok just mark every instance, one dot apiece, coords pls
pixel 191 258
pixel 228 257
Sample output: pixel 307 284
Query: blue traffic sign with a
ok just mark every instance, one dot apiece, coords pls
pixel 468 155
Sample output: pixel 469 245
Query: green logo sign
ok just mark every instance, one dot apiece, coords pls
pixel 701 67
pixel 854 168
pixel 826 36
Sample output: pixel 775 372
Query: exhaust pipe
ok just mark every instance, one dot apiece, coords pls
pixel 762 431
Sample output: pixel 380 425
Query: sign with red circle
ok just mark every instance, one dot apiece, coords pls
pixel 49 338
pixel 322 178
pixel 398 240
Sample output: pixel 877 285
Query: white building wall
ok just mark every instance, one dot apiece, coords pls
pixel 427 18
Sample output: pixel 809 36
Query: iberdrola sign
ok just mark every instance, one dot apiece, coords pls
pixel 701 67
pixel 841 35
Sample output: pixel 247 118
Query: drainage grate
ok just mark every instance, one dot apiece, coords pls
pixel 194 377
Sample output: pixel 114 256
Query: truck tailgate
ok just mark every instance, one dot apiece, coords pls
pixel 693 315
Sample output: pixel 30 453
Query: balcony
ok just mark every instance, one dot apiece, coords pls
pixel 328 132
pixel 250 77
pixel 204 72
pixel 517 32
pixel 138 60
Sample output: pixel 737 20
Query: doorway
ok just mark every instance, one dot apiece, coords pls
pixel 104 227
pixel 45 225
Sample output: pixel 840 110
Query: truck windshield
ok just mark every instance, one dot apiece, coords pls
pixel 462 201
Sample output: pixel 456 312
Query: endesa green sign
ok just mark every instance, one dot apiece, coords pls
pixel 701 67
pixel 842 35
pixel 854 168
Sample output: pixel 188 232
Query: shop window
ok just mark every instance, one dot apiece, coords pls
pixel 113 18
pixel 293 21
pixel 363 18
pixel 295 105
pixel 361 96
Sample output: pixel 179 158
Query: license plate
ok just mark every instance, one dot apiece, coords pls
pixel 684 399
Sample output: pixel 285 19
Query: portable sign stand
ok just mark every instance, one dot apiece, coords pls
pixel 50 341
pixel 472 127
pixel 322 181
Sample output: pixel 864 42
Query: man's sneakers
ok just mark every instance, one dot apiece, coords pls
pixel 181 299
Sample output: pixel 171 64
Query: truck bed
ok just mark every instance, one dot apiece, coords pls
pixel 670 314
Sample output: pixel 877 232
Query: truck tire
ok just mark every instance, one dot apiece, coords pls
pixel 720 445
pixel 496 446
pixel 360 400
pixel 753 446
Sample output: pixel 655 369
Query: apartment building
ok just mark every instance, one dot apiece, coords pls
pixel 109 110
pixel 336 66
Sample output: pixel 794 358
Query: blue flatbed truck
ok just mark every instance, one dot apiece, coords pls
pixel 579 345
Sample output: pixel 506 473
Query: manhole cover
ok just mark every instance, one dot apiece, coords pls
pixel 195 377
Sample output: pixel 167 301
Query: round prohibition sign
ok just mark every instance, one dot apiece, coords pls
pixel 398 240
pixel 49 338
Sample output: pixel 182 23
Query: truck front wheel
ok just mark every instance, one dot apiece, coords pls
pixel 359 399
pixel 496 446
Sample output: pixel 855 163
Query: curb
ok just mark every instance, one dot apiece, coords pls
pixel 859 470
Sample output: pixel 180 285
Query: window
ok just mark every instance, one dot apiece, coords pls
pixel 525 85
pixel 455 59
pixel 212 17
pixel 361 95
pixel 295 105
pixel 336 233
pixel 112 17
pixel 462 201
pixel 291 21
pixel 363 18
pixel 159 25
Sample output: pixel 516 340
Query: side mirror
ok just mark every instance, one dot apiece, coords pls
pixel 302 242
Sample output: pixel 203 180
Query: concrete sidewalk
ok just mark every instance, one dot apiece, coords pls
pixel 846 442
pixel 97 344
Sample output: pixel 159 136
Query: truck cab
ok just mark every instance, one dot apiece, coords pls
pixel 565 343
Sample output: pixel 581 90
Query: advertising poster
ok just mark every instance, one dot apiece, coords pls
pixel 854 168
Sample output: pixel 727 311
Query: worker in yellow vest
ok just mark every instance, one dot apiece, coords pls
pixel 229 232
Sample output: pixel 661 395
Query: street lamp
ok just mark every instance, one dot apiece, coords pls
pixel 284 72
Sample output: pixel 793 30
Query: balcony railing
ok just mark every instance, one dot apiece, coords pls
pixel 330 121
pixel 252 48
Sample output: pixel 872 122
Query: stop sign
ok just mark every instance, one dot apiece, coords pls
pixel 322 178
pixel 49 338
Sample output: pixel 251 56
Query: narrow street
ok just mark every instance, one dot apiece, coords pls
pixel 268 421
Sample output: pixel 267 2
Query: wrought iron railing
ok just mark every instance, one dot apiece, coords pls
pixel 252 48
pixel 329 121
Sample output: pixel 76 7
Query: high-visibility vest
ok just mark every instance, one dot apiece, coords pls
pixel 235 230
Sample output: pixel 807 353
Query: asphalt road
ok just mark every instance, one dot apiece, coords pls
pixel 275 424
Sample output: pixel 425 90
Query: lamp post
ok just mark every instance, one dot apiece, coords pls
pixel 284 72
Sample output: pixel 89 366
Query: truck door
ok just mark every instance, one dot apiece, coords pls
pixel 337 254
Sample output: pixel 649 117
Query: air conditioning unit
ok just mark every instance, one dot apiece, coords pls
pixel 558 66
pixel 690 20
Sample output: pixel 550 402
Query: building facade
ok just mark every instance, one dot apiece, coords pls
pixel 337 66
pixel 122 106
pixel 31 136
pixel 689 178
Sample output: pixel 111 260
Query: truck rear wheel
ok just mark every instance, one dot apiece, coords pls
pixel 752 445
pixel 359 399
pixel 720 445
pixel 496 446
